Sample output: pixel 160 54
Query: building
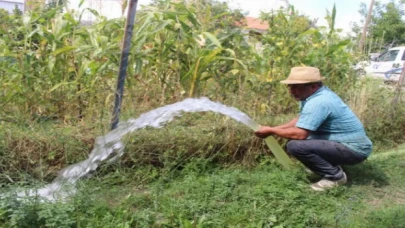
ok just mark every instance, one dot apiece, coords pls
pixel 10 5
pixel 108 8
pixel 256 24
pixel 251 25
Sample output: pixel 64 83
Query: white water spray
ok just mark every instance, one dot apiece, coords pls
pixel 109 147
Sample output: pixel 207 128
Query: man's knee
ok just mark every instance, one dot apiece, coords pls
pixel 295 147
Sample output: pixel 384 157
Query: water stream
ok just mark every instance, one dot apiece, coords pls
pixel 110 147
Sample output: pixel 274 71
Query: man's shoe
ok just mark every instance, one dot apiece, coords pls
pixel 327 184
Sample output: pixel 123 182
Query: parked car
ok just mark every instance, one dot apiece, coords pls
pixel 387 65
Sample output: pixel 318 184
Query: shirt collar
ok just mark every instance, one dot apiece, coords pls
pixel 316 93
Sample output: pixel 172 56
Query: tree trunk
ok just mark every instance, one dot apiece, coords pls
pixel 363 35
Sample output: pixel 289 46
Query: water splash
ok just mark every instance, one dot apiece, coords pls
pixel 110 147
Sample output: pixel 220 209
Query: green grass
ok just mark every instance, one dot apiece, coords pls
pixel 203 194
pixel 186 183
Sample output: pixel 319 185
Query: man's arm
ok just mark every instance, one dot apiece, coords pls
pixel 289 124
pixel 288 130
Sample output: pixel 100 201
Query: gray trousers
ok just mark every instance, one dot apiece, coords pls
pixel 323 157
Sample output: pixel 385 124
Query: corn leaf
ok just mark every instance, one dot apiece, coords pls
pixel 63 50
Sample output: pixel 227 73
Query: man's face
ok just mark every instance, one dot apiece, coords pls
pixel 301 91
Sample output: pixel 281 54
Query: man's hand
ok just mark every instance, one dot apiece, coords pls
pixel 287 132
pixel 264 131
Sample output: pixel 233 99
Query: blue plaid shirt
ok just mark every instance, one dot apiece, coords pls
pixel 327 117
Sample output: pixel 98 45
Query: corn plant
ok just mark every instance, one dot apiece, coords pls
pixel 182 51
pixel 59 65
pixel 62 69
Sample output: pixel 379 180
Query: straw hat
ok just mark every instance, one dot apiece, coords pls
pixel 303 75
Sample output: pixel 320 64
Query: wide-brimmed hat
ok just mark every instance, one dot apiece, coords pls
pixel 303 75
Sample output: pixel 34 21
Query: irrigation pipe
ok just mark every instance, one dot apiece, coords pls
pixel 276 149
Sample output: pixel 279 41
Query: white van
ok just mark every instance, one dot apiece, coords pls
pixel 387 66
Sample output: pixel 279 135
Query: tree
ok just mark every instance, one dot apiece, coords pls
pixel 365 26
pixel 210 13
pixel 390 25
pixel 387 26
pixel 17 12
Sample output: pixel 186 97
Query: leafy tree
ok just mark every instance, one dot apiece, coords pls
pixel 17 11
pixel 387 26
pixel 206 10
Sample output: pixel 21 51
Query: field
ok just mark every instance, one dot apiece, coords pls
pixel 58 80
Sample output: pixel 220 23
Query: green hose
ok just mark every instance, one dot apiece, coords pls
pixel 279 153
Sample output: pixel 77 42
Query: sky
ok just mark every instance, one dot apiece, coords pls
pixel 346 10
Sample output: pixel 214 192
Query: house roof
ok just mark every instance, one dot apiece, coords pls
pixel 256 24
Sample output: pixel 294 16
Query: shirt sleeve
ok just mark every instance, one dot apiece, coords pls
pixel 312 115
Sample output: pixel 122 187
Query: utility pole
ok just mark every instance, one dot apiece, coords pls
pixel 363 35
pixel 124 62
